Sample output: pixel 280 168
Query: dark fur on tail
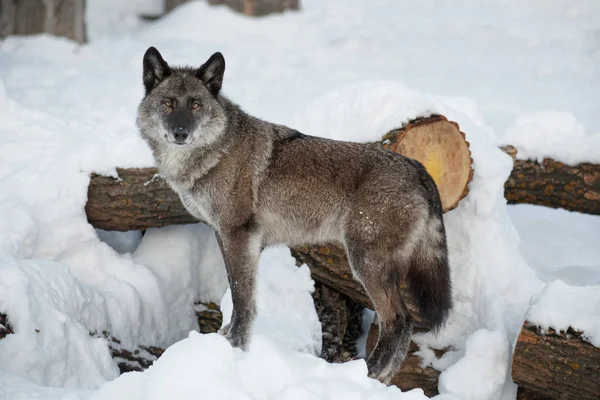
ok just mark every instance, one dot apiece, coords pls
pixel 428 274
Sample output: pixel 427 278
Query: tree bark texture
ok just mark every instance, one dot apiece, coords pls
pixel 137 200
pixel 555 365
pixel 554 184
pixel 259 8
pixel 341 323
pixel 58 17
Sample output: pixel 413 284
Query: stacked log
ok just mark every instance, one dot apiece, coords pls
pixel 58 17
pixel 555 365
pixel 554 184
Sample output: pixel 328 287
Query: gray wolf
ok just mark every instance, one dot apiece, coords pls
pixel 258 184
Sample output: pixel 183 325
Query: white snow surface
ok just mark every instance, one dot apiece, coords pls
pixel 342 69
pixel 560 306
pixel 553 134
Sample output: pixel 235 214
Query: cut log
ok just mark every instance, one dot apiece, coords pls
pixel 57 17
pixel 411 375
pixel 442 148
pixel 138 200
pixel 554 184
pixel 556 365
pixel 259 8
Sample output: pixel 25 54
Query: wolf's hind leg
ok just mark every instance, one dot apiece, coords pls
pixel 240 249
pixel 381 282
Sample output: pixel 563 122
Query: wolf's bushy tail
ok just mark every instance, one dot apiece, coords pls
pixel 428 273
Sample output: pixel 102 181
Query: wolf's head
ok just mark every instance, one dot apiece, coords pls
pixel 181 107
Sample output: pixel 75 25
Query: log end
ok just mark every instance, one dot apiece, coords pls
pixel 443 149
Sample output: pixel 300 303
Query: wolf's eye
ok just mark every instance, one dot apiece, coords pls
pixel 168 103
pixel 195 105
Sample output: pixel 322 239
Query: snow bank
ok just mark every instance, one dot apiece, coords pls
pixel 553 134
pixel 560 306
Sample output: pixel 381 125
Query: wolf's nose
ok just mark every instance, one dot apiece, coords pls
pixel 180 134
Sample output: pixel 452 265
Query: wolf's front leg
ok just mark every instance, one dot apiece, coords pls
pixel 241 249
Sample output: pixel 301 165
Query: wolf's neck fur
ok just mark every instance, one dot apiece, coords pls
pixel 183 166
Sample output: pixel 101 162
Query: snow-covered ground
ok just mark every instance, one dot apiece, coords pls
pixel 519 72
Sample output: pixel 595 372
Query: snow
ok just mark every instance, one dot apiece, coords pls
pixel 343 69
pixel 553 134
pixel 559 244
pixel 560 306
pixel 285 307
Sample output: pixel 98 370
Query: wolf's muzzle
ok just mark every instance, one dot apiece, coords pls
pixel 180 134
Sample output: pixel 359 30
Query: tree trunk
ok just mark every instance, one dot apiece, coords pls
pixel 554 184
pixel 259 8
pixel 57 17
pixel 556 365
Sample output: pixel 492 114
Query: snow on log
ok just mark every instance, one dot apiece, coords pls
pixel 556 365
pixel 553 184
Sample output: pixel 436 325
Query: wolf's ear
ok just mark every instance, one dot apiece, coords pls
pixel 211 72
pixel 156 69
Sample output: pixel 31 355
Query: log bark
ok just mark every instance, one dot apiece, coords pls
pixel 553 184
pixel 58 17
pixel 341 323
pixel 412 374
pixel 556 365
pixel 259 8
pixel 138 199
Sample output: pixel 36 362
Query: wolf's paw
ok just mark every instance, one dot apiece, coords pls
pixel 224 330
pixel 239 338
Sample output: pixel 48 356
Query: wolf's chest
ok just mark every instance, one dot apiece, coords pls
pixel 197 204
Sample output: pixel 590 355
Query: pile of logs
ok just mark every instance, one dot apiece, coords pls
pixel 546 364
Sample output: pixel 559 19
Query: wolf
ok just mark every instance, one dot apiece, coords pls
pixel 258 184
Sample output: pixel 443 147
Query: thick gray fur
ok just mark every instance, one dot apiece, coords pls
pixel 259 184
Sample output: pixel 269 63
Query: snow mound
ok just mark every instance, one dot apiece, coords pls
pixel 207 366
pixel 285 308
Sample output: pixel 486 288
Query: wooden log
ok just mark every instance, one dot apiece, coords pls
pixel 553 184
pixel 259 8
pixel 442 148
pixel 58 17
pixel 556 365
pixel 341 322
pixel 137 200
pixel 412 374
